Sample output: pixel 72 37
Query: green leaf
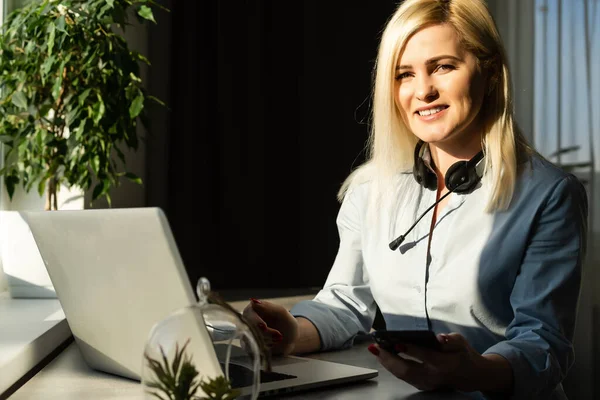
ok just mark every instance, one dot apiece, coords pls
pixel 42 187
pixel 157 100
pixel 60 24
pixel 146 13
pixel 19 100
pixel 98 110
pixel 80 129
pixel 104 10
pixel 46 66
pixel 140 57
pixel 158 396
pixel 11 181
pixel 51 37
pixel 81 98
pixel 101 189
pixel 133 177
pixel 71 115
pixel 56 87
pixel 136 106
pixel 30 47
pixel 96 164
pixel 134 77
pixel 97 191
pixel 39 138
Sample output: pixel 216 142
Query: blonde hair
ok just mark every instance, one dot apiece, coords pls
pixel 391 143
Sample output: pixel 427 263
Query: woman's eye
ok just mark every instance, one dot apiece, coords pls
pixel 446 67
pixel 402 76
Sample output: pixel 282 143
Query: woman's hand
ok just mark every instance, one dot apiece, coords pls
pixel 457 366
pixel 278 326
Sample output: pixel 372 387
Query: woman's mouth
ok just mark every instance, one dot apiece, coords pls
pixel 432 113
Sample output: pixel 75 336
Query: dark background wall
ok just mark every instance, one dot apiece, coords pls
pixel 269 105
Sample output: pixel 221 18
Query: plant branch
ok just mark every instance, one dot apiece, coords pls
pixel 42 119
pixel 102 29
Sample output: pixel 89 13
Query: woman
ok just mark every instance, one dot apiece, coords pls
pixel 495 271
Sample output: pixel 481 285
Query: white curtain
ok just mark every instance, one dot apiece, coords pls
pixel 567 89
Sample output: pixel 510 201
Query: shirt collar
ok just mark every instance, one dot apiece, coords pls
pixel 426 157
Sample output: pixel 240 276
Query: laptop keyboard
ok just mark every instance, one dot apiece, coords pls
pixel 241 376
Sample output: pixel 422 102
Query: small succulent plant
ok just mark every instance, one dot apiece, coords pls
pixel 179 379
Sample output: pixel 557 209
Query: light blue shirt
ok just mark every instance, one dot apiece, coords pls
pixel 507 281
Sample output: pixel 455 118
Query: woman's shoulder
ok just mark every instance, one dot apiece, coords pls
pixel 538 171
pixel 540 179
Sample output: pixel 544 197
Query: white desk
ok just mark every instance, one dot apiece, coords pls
pixel 30 330
pixel 68 377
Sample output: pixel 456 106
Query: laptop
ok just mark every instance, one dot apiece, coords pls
pixel 117 272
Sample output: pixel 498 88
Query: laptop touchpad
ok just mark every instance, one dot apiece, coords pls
pixel 240 372
pixel 241 376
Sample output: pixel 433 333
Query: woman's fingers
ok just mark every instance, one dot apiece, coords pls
pixel 272 335
pixel 407 370
pixel 268 311
pixel 280 327
pixel 452 342
pixel 421 353
pixel 252 316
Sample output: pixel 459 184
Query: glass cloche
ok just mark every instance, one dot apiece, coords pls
pixel 201 352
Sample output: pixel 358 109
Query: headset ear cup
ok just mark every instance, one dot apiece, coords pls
pixel 417 173
pixel 424 176
pixel 430 178
pixel 458 177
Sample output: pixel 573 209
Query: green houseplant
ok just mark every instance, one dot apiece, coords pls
pixel 71 95
pixel 180 380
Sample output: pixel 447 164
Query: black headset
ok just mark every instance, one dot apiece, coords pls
pixel 461 177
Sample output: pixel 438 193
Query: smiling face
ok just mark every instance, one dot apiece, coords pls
pixel 439 87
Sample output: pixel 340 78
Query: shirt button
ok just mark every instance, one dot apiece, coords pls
pixel 418 289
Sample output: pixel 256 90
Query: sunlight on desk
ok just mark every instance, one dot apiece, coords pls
pixel 30 329
pixel 56 316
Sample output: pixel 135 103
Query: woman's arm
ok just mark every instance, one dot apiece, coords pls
pixel 308 340
pixel 544 298
pixel 495 375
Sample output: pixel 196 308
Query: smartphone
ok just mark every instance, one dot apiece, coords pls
pixel 389 339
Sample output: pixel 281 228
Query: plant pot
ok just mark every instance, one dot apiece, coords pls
pixel 24 269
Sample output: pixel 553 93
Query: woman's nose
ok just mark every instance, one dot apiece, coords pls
pixel 426 91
